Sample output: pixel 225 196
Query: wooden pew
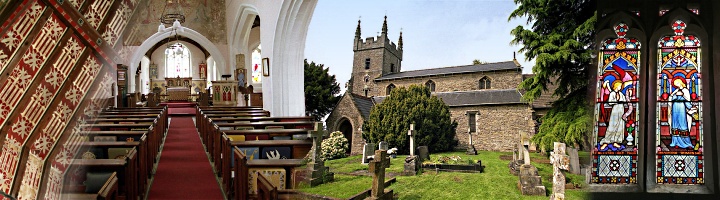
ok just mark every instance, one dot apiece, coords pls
pixel 239 183
pixel 216 147
pixel 208 125
pixel 140 163
pixel 126 171
pixel 298 150
pixel 109 191
pixel 266 190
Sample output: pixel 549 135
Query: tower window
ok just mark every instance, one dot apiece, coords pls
pixel 392 67
pixel 389 89
pixel 367 63
pixel 366 92
pixel 367 78
pixel 484 83
pixel 430 85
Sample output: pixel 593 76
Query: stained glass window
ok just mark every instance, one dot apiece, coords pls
pixel 177 61
pixel 256 65
pixel 484 83
pixel 679 135
pixel 430 85
pixel 389 89
pixel 616 117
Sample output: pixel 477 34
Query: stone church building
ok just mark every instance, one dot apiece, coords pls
pixel 483 99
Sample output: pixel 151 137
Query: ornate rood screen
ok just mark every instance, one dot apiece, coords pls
pixel 678 117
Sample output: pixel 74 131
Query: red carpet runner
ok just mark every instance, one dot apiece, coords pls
pixel 184 170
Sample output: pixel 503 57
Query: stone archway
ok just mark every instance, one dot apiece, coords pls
pixel 346 128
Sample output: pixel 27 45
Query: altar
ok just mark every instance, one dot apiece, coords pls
pixel 178 89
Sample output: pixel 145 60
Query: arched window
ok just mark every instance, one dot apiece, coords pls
pixel 430 85
pixel 177 61
pixel 389 89
pixel 256 65
pixel 616 103
pixel 679 136
pixel 484 83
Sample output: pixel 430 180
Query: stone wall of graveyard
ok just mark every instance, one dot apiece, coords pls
pixel 507 79
pixel 497 126
pixel 346 109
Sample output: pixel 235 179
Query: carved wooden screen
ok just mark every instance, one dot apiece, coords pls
pixel 615 153
pixel 59 71
pixel 679 136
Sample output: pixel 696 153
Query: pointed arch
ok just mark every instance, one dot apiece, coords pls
pixel 430 84
pixel 389 89
pixel 484 83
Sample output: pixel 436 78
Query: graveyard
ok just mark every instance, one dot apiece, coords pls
pixel 496 182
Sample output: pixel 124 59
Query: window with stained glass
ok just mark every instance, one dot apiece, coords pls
pixel 679 136
pixel 256 65
pixel 177 61
pixel 615 153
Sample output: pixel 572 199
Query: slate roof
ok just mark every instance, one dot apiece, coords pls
pixel 364 104
pixel 507 65
pixel 475 97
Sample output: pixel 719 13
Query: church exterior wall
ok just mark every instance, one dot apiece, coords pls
pixel 458 82
pixel 346 109
pixel 497 126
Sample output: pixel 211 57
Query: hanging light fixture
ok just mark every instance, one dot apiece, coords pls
pixel 172 12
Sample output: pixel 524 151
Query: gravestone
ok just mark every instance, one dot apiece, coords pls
pixel 411 162
pixel 530 182
pixel 574 160
pixel 368 150
pixel 319 173
pixel 560 161
pixel 521 154
pixel 471 148
pixel 377 168
pixel 383 146
pixel 423 153
pixel 411 133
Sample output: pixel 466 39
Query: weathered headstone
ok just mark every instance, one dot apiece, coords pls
pixel 574 160
pixel 530 182
pixel 560 162
pixel 411 133
pixel 412 165
pixel 383 146
pixel 423 153
pixel 368 150
pixel 471 148
pixel 319 173
pixel 377 168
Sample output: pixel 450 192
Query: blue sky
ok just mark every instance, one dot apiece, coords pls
pixel 435 33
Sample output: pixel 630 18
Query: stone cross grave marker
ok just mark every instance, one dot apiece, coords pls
pixel 383 145
pixel 560 162
pixel 411 133
pixel 317 137
pixel 368 150
pixel 377 168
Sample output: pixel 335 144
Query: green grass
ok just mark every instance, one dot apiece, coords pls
pixel 495 183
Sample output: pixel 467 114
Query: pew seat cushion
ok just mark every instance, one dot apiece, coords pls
pixel 244 128
pixel 105 138
pixel 282 138
pixel 250 152
pixel 238 138
pixel 274 127
pixel 276 153
pixel 118 153
pixel 276 176
pixel 95 180
pixel 300 136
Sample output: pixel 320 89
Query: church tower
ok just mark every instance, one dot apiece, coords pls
pixel 374 57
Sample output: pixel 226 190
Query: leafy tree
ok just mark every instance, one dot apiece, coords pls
pixel 561 42
pixel 390 120
pixel 321 90
pixel 478 62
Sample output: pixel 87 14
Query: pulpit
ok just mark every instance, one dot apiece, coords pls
pixel 225 93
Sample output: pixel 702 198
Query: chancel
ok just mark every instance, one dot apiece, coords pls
pixel 106 84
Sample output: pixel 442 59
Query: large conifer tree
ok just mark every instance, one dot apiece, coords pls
pixel 560 40
pixel 321 90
